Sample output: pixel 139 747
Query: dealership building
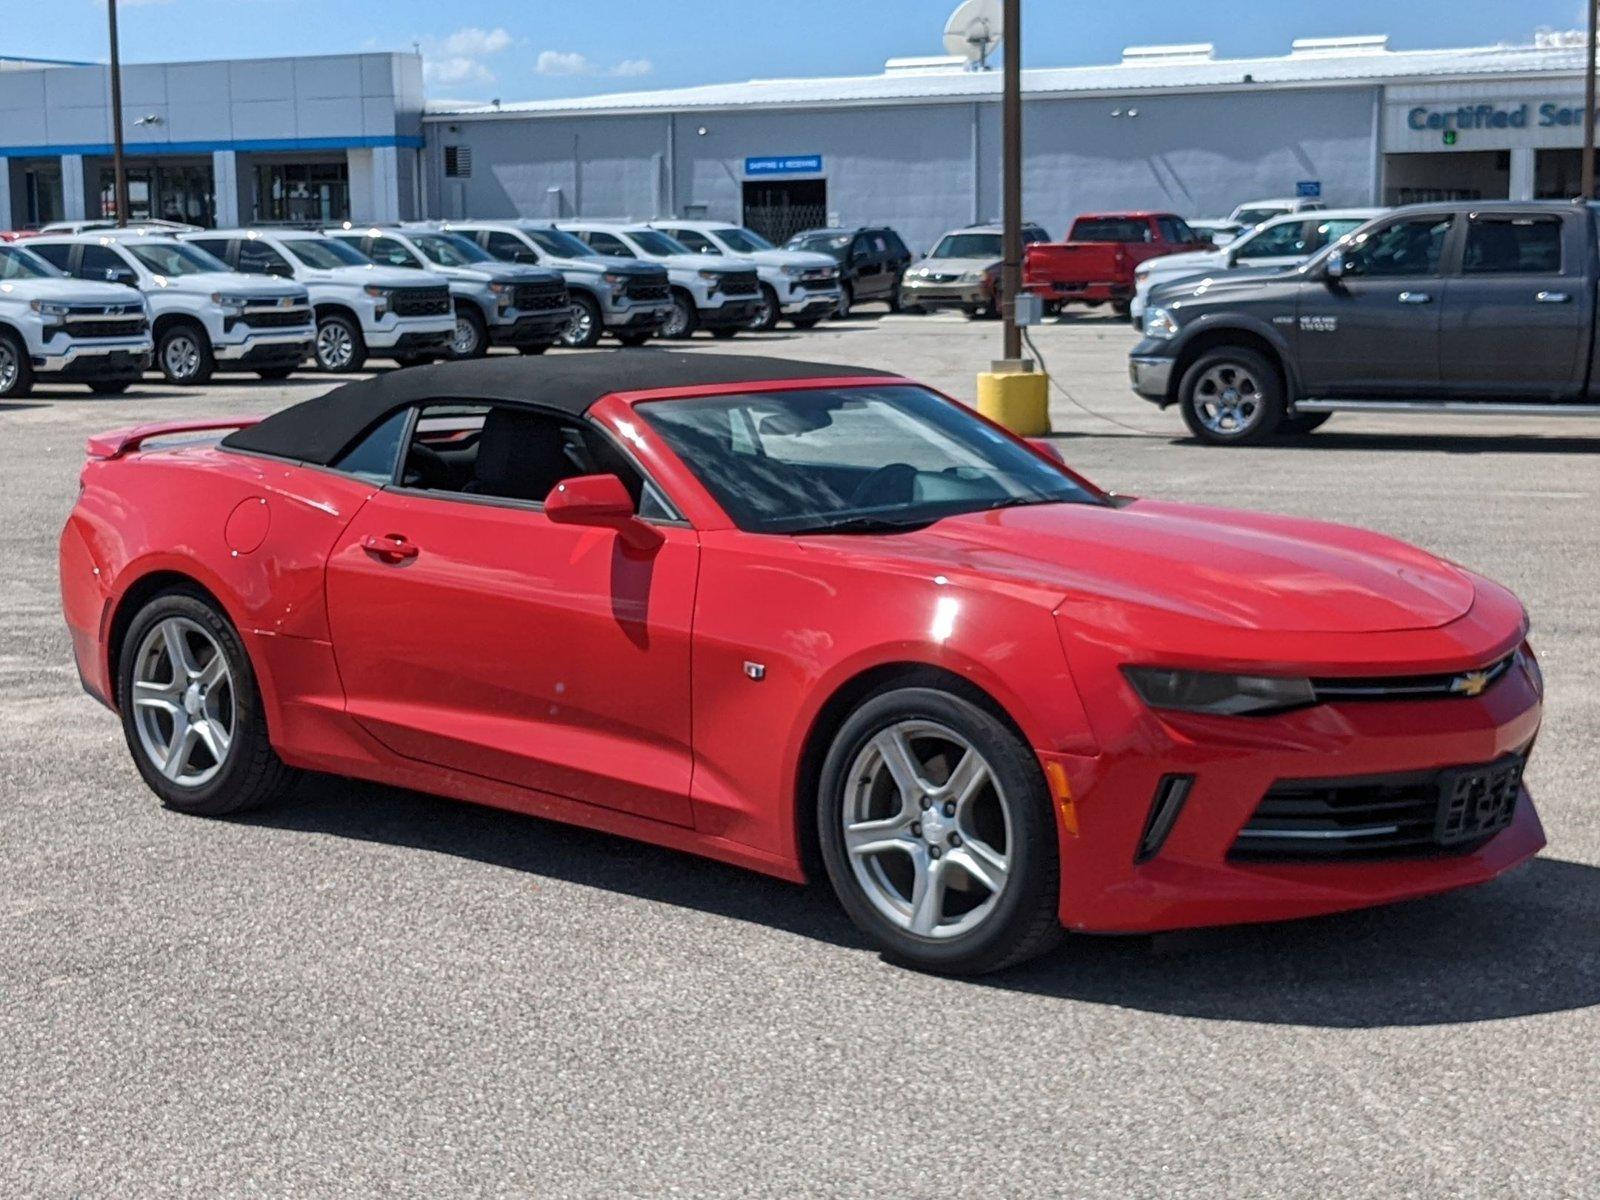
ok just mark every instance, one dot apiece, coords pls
pixel 916 146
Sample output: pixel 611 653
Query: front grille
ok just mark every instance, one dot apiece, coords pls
pixel 739 283
pixel 650 289
pixel 276 318
pixel 1387 816
pixel 941 277
pixel 1457 685
pixel 420 301
pixel 540 297
pixel 131 327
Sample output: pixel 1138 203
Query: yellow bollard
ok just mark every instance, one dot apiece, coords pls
pixel 1019 400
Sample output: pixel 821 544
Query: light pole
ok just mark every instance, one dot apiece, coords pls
pixel 118 169
pixel 1589 102
pixel 1011 176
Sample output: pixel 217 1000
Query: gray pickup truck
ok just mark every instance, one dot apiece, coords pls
pixel 1455 308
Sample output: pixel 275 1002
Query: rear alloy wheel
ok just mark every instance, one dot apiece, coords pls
pixel 471 338
pixel 16 372
pixel 938 834
pixel 586 326
pixel 1231 397
pixel 767 312
pixel 183 352
pixel 191 711
pixel 682 320
pixel 339 345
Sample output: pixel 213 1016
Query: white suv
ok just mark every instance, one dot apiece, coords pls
pixel 66 329
pixel 799 285
pixel 361 308
pixel 496 303
pixel 204 317
pixel 721 297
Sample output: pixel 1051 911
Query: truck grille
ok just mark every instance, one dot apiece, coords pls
pixel 1458 685
pixel 421 301
pixel 648 288
pixel 1386 816
pixel 107 327
pixel 276 318
pixel 739 283
pixel 540 297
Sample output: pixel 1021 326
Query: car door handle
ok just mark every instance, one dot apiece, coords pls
pixel 1415 298
pixel 391 548
pixel 1552 297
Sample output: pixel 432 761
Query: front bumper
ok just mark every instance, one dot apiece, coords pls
pixel 531 329
pixel 730 313
pixel 638 316
pixel 810 304
pixel 1191 880
pixel 279 346
pixel 406 335
pixel 943 295
pixel 1151 376
pixel 1081 293
pixel 120 359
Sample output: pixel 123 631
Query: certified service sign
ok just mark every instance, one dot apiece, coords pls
pixel 788 164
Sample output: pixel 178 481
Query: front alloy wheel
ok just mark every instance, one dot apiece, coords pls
pixel 185 355
pixel 471 339
pixel 584 329
pixel 16 372
pixel 767 311
pixel 938 834
pixel 681 320
pixel 1232 396
pixel 339 347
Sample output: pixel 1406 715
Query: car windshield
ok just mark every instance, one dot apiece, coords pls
pixel 826 243
pixel 449 249
pixel 744 241
pixel 174 258
pixel 653 241
pixel 325 254
pixel 1254 216
pixel 1111 229
pixel 17 263
pixel 867 459
pixel 559 243
pixel 968 245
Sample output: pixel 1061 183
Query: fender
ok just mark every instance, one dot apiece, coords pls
pixel 1209 325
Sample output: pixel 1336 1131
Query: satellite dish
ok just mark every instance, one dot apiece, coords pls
pixel 973 31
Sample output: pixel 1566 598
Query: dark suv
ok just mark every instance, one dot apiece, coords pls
pixel 872 262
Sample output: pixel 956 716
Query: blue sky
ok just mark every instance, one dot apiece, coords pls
pixel 528 49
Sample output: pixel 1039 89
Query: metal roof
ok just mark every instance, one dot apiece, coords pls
pixel 1313 62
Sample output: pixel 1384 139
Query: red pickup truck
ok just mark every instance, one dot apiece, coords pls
pixel 1096 262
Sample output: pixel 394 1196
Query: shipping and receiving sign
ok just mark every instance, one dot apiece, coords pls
pixel 784 164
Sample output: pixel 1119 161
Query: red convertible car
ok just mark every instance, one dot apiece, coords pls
pixel 807 619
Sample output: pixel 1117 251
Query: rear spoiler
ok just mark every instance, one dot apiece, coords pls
pixel 119 442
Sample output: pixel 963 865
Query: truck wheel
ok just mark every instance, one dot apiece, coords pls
pixel 634 339
pixel 683 319
pixel 768 313
pixel 183 352
pixel 1301 424
pixel 1231 397
pixel 471 338
pixel 16 372
pixel 110 387
pixel 340 347
pixel 586 326
pixel 847 298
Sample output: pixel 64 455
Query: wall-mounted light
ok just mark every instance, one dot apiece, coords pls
pixel 149 119
pixel 702 131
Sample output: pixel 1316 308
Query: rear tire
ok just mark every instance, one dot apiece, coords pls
pixel 176 699
pixel 1231 396
pixel 1003 824
pixel 16 371
pixel 183 353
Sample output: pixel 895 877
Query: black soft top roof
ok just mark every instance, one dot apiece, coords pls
pixel 318 430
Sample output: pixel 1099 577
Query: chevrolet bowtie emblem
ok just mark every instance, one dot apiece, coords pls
pixel 1470 684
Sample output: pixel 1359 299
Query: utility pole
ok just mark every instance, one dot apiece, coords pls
pixel 1589 102
pixel 119 170
pixel 1011 175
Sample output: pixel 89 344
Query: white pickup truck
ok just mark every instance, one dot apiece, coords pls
pixel 56 328
pixel 361 308
pixel 797 285
pixel 203 316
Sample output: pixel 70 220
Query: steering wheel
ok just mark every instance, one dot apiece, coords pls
pixel 889 484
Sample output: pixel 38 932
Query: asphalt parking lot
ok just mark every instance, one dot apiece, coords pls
pixel 370 992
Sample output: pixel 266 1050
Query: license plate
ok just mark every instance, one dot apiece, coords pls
pixel 1477 801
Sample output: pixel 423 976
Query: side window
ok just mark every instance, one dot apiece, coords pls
pixel 1278 241
pixel 258 258
pixel 896 246
pixel 861 249
pixel 1405 249
pixel 1169 230
pixel 216 246
pixel 56 254
pixel 1513 246
pixel 102 263
pixel 373 457
pixel 879 246
pixel 608 243
pixel 390 253
pixel 695 240
pixel 508 247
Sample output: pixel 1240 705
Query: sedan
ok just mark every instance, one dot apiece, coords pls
pixel 817 621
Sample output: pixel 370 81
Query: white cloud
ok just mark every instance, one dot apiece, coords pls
pixel 564 62
pixel 459 57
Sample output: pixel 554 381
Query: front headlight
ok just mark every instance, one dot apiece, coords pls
pixel 972 277
pixel 710 276
pixel 1218 694
pixel 231 305
pixel 48 308
pixel 1158 323
pixel 377 293
pixel 498 289
pixel 1141 273
pixel 794 272
pixel 614 279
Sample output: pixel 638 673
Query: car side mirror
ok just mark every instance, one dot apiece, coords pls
pixel 1048 449
pixel 1336 267
pixel 601 501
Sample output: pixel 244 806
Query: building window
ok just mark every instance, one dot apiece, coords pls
pixel 303 193
pixel 458 162
pixel 43 192
pixel 162 192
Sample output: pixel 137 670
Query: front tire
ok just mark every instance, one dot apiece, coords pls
pixel 938 834
pixel 192 713
pixel 847 299
pixel 1231 397
pixel 683 320
pixel 471 338
pixel 340 348
pixel 183 352
pixel 16 371
pixel 766 318
pixel 586 326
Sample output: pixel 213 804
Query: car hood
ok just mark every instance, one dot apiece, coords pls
pixel 803 259
pixel 952 266
pixel 1243 570
pixel 1211 283
pixel 70 291
pixel 1198 261
pixel 703 262
pixel 497 272
pixel 373 276
pixel 205 283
